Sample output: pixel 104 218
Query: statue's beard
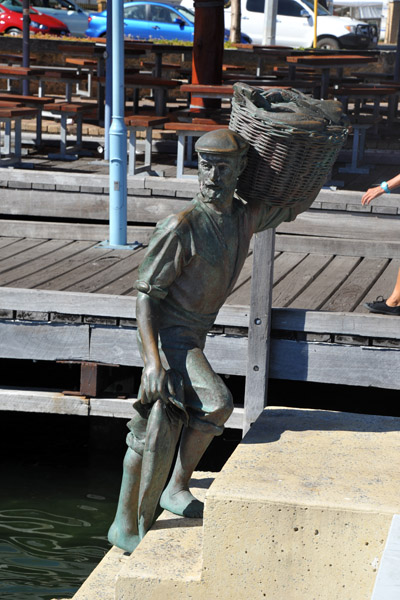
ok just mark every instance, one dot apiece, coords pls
pixel 215 194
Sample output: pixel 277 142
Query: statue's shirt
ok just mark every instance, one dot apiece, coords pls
pixel 194 259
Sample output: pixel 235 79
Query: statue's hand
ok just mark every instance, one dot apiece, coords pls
pixel 153 383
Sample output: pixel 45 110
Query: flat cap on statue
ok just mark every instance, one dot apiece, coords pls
pixel 221 141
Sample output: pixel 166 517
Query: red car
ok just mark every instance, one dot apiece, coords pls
pixel 11 20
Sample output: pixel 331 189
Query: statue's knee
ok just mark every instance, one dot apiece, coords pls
pixel 225 406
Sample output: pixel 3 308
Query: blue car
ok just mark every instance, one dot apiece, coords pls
pixel 152 20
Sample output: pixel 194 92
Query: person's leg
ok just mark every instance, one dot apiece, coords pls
pixel 394 298
pixel 209 404
pixel 124 529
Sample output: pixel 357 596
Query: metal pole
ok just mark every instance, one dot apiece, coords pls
pixel 315 23
pixel 397 63
pixel 25 43
pixel 118 142
pixel 108 103
pixel 269 31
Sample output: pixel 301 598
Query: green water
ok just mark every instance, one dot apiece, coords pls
pixel 58 495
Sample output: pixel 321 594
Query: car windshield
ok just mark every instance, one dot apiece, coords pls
pixel 187 13
pixel 14 5
pixel 322 11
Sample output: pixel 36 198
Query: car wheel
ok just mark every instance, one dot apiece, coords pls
pixel 328 43
pixel 13 31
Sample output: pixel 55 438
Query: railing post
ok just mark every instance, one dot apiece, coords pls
pixel 259 327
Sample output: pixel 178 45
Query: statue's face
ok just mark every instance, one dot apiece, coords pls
pixel 217 177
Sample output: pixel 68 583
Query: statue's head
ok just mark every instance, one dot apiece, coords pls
pixel 222 157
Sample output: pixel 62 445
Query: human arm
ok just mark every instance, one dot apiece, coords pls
pixel 374 192
pixel 154 374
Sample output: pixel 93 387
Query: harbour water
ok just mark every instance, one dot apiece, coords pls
pixel 58 494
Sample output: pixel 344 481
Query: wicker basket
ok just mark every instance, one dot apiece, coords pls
pixel 287 165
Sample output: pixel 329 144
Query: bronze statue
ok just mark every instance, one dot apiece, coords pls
pixel 190 267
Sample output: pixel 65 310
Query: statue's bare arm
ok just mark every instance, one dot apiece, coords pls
pixel 154 374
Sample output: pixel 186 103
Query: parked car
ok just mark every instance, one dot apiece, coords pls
pixel 152 20
pixel 11 20
pixel 295 25
pixel 66 11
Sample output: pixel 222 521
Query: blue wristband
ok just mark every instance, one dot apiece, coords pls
pixel 385 187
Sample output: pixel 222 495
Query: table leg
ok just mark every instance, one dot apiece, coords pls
pixel 17 138
pixel 132 151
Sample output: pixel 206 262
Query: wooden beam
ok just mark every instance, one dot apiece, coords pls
pixel 343 247
pixel 44 341
pixel 259 327
pixel 69 231
pixel 38 401
pixel 103 305
pixel 364 366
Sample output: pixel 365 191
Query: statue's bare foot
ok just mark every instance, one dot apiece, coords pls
pixel 182 503
pixel 122 538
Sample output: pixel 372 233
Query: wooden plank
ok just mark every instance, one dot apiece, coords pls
pixel 382 287
pixel 33 401
pixel 19 247
pixel 227 354
pixel 6 241
pixel 123 286
pixel 42 341
pixel 24 259
pixel 95 207
pixel 369 325
pixel 348 296
pixel 329 363
pixel 36 271
pixel 343 247
pixel 299 278
pixel 127 266
pixel 103 305
pixel 285 263
pixel 67 303
pixel 102 259
pixel 70 231
pixel 328 282
pixel 339 225
pixel 78 267
pixel 259 328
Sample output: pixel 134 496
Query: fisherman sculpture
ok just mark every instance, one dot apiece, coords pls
pixel 191 265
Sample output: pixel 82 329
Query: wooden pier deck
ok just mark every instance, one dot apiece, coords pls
pixel 64 297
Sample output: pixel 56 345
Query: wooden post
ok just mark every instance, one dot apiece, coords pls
pixel 259 327
pixel 208 47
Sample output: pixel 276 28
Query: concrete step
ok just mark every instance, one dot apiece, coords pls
pixel 169 559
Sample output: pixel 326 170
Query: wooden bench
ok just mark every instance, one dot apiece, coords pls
pixel 69 110
pixel 87 66
pixel 147 123
pixel 68 77
pixel 187 131
pixel 7 115
pixel 32 102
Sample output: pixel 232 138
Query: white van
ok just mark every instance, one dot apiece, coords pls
pixel 295 25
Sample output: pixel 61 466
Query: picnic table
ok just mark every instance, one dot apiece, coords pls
pixel 326 62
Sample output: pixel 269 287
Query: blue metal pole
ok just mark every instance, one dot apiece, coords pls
pixel 118 143
pixel 108 104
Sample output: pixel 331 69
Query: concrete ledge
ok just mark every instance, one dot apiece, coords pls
pixel 301 511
